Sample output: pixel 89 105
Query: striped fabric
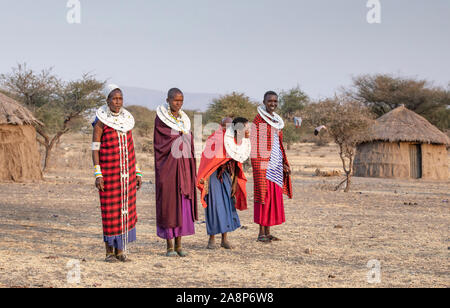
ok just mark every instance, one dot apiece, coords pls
pixel 275 168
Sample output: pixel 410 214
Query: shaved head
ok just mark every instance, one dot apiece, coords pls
pixel 226 121
pixel 270 93
pixel 172 92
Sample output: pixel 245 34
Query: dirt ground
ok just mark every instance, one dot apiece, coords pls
pixel 327 241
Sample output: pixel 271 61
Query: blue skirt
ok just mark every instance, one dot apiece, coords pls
pixel 221 214
pixel 117 242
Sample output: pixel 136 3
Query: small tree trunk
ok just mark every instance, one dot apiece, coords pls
pixel 349 173
pixel 49 144
pixel 340 184
pixel 341 155
pixel 48 149
pixel 348 182
pixel 46 144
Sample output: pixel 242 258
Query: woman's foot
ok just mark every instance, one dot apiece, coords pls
pixel 225 244
pixel 263 239
pixel 272 238
pixel 178 248
pixel 211 243
pixel 181 252
pixel 171 253
pixel 122 258
pixel 111 258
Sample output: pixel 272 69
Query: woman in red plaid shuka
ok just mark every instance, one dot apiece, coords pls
pixel 271 171
pixel 117 175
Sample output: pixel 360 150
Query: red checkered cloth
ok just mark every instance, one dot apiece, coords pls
pixel 110 199
pixel 261 137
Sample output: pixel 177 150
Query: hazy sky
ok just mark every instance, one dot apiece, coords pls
pixel 219 46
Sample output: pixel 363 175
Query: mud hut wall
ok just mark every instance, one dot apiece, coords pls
pixel 434 162
pixel 382 159
pixel 19 155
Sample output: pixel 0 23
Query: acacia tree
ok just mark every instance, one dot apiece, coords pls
pixel 145 120
pixel 347 121
pixel 231 105
pixel 383 92
pixel 291 103
pixel 54 102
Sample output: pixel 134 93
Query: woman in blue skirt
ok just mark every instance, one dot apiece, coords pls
pixel 222 182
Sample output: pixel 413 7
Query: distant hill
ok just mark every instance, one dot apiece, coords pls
pixel 153 98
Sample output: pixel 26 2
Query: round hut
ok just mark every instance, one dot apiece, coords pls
pixel 403 144
pixel 19 155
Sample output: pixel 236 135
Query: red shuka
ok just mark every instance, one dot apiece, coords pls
pixel 110 198
pixel 261 137
pixel 208 165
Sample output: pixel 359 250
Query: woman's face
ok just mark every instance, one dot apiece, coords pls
pixel 271 103
pixel 115 101
pixel 176 102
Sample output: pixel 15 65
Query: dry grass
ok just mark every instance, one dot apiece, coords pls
pixel 327 234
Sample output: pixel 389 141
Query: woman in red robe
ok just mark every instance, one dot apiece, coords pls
pixel 271 171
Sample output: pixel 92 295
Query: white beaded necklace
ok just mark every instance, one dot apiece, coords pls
pixel 273 120
pixel 181 124
pixel 237 152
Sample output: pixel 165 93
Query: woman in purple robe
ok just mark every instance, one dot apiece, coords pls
pixel 175 173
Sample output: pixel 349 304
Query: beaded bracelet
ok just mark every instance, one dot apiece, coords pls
pixel 138 171
pixel 98 171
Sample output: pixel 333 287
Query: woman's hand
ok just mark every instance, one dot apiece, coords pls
pixel 286 169
pixel 138 182
pixel 100 184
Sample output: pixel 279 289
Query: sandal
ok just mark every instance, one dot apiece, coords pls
pixel 171 253
pixel 181 253
pixel 111 258
pixel 211 246
pixel 226 245
pixel 273 238
pixel 263 239
pixel 123 258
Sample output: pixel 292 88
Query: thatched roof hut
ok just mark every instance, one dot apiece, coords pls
pixel 19 155
pixel 403 144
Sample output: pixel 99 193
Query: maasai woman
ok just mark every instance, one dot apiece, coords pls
pixel 271 171
pixel 117 175
pixel 221 179
pixel 175 173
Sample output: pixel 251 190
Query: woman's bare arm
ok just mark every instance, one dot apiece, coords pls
pixel 97 137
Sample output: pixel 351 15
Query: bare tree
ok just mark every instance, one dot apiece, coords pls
pixel 346 121
pixel 54 102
